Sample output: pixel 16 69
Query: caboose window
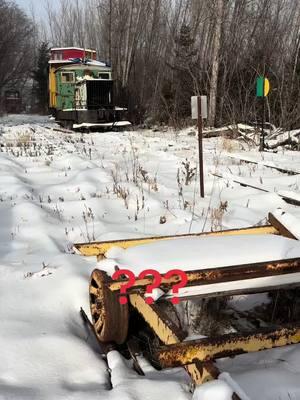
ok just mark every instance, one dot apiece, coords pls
pixel 57 56
pixel 103 75
pixel 67 77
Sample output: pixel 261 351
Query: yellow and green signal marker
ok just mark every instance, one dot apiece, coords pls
pixel 262 86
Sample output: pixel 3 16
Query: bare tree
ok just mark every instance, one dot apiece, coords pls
pixel 234 42
pixel 16 46
pixel 218 16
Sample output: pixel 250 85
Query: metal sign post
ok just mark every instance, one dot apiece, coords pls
pixel 200 147
pixel 262 137
pixel 262 90
pixel 199 111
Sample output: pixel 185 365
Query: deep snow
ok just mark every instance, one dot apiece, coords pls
pixel 57 189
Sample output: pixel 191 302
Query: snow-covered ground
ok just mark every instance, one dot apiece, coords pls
pixel 58 188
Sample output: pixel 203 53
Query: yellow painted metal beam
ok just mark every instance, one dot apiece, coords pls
pixel 225 346
pixel 169 333
pixel 52 87
pixel 100 248
pixel 218 275
pixel 166 331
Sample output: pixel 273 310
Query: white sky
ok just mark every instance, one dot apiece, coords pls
pixel 27 5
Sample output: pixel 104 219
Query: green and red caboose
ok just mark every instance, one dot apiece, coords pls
pixel 81 90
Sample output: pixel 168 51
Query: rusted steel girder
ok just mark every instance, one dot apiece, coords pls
pixel 169 333
pixel 100 248
pixel 283 230
pixel 218 275
pixel 225 346
pixel 158 321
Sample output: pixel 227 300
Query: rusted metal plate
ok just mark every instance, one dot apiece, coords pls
pixel 226 346
pixel 203 372
pixel 283 230
pixel 100 248
pixel 218 275
pixel 105 347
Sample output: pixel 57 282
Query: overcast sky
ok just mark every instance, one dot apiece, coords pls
pixel 27 5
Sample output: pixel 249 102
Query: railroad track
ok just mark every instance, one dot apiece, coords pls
pixel 288 196
pixel 267 164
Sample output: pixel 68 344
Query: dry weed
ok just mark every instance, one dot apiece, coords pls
pixel 216 216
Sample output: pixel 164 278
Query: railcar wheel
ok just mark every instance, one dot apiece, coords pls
pixel 110 318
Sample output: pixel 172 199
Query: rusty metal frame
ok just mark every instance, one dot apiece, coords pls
pixel 217 275
pixel 169 334
pixel 230 345
pixel 197 356
pixel 99 249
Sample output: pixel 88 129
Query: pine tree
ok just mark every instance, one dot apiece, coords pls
pixel 184 66
pixel 40 77
pixel 182 87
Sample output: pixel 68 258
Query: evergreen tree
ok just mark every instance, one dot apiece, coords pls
pixel 182 86
pixel 40 76
pixel 184 66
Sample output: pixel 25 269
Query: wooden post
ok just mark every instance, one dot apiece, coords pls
pixel 264 93
pixel 262 137
pixel 200 147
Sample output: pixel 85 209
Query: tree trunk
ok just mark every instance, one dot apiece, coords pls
pixel 219 7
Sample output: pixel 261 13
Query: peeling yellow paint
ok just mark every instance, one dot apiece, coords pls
pixel 209 349
pixel 100 248
pixel 216 275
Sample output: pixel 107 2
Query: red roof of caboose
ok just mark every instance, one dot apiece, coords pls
pixel 65 53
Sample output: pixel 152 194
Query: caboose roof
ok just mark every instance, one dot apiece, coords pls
pixel 71 48
pixel 60 62
pixel 89 66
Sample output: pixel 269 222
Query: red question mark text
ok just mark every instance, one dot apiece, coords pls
pixel 177 286
pixel 155 284
pixel 131 280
